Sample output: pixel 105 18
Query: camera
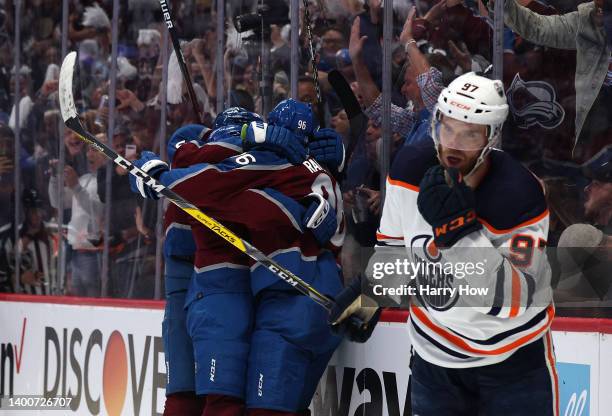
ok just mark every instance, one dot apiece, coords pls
pixel 271 12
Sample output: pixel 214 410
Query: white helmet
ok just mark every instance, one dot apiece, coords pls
pixel 475 99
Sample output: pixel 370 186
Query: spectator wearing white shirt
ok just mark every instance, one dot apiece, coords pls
pixel 84 229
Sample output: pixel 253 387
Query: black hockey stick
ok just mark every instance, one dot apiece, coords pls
pixel 72 121
pixel 181 59
pixel 357 120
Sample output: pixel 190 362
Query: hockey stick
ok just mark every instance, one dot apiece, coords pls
pixel 315 73
pixel 357 120
pixel 71 119
pixel 181 59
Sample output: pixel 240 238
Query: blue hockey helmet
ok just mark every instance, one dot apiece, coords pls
pixel 235 115
pixel 295 116
pixel 227 133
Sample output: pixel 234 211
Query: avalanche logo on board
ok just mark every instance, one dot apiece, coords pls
pixel 534 103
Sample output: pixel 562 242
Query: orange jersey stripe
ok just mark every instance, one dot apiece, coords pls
pixel 555 378
pixel 461 343
pixel 402 184
pixel 507 230
pixel 516 294
pixel 380 236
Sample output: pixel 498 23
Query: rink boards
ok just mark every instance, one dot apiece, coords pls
pixel 107 355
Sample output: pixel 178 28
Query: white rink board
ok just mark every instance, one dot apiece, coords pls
pixel 579 373
pixel 605 366
pixel 369 379
pixel 139 329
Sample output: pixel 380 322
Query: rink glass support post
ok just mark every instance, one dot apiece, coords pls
pixel 387 75
pixel 266 72
pixel 294 10
pixel 159 232
pixel 17 164
pixel 59 286
pixel 498 39
pixel 220 49
pixel 108 205
pixel 498 44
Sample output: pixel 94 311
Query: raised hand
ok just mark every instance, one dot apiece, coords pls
pixel 356 42
pixel 406 34
pixel 461 54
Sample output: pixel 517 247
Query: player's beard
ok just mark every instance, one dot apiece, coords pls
pixel 464 161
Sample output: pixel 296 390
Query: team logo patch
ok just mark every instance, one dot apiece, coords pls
pixel 433 282
pixel 534 103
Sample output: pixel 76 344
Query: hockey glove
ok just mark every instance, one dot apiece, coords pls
pixel 327 148
pixel 320 219
pixel 448 208
pixel 150 163
pixel 274 138
pixel 354 314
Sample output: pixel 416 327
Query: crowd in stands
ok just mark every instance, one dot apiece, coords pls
pixel 559 126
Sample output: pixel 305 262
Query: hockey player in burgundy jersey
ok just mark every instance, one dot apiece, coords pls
pixel 222 282
pixel 460 201
pixel 179 252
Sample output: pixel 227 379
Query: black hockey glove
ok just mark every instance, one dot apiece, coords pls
pixel 449 209
pixel 350 317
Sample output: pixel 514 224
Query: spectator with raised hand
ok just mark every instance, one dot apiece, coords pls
pixel 128 102
pixel 75 152
pixel 422 84
pixel 122 227
pixel 204 55
pixel 452 20
pixel 33 131
pixel 84 228
pixel 25 101
pixel 462 55
pixel 588 30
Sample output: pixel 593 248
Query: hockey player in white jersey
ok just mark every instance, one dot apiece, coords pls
pixel 460 201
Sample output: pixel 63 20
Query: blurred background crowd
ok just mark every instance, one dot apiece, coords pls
pixel 69 224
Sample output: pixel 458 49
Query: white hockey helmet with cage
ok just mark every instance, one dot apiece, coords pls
pixel 473 99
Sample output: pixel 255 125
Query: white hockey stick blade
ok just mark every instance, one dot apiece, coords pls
pixel 65 87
